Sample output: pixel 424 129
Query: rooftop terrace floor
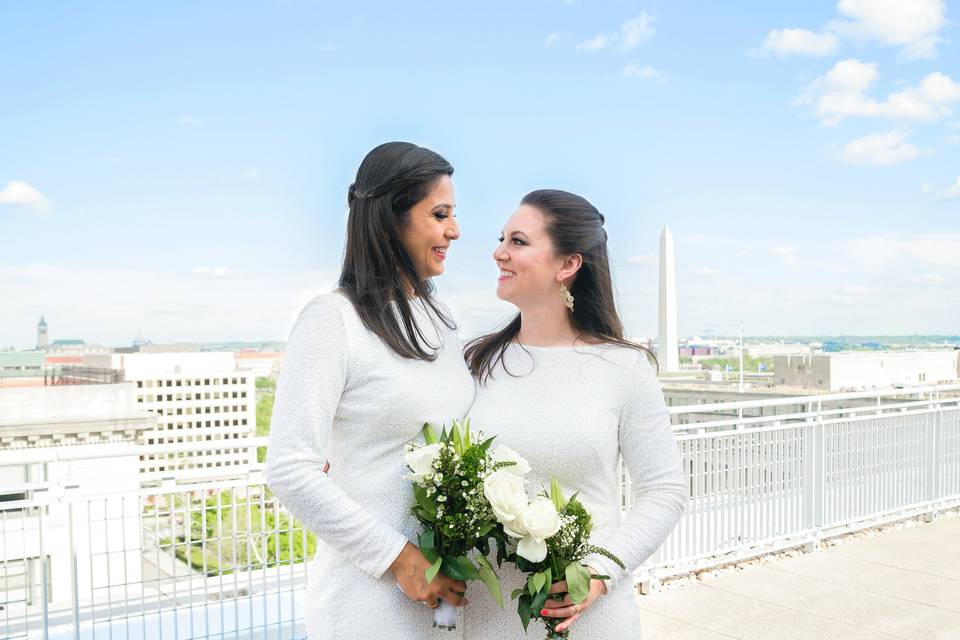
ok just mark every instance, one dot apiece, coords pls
pixel 900 584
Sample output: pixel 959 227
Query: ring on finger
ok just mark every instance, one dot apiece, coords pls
pixel 576 608
pixel 432 605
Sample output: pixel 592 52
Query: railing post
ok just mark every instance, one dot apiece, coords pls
pixel 44 585
pixel 815 480
pixel 74 589
pixel 931 466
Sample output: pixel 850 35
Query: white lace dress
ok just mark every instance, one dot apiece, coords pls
pixel 571 412
pixel 344 396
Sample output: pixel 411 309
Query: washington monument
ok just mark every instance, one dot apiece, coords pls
pixel 667 347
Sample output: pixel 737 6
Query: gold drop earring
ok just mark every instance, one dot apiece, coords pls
pixel 566 297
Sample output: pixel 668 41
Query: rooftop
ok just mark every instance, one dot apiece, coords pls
pixel 900 584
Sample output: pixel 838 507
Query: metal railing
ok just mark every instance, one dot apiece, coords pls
pixel 98 551
pixel 818 467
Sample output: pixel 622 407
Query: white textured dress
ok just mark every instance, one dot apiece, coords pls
pixel 571 411
pixel 346 397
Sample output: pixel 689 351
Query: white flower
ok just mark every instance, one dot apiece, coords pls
pixel 539 522
pixel 507 497
pixel 501 453
pixel 420 461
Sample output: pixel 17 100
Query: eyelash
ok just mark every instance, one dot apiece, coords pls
pixel 515 240
pixel 439 215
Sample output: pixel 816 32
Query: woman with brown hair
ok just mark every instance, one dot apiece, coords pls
pixel 562 387
pixel 366 365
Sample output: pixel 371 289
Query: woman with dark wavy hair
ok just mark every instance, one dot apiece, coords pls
pixel 366 365
pixel 562 386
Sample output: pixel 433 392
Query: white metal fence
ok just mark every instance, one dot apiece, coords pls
pixel 210 554
pixel 820 466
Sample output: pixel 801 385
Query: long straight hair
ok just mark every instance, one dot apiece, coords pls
pixel 377 269
pixel 574 226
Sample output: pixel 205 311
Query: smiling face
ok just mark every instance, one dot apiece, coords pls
pixel 430 228
pixel 528 263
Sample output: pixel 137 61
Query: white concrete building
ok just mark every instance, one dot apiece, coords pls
pixel 197 397
pixel 861 370
pixel 36 424
pixel 668 339
pixel 262 364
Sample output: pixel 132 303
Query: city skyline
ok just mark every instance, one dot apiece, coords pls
pixel 806 158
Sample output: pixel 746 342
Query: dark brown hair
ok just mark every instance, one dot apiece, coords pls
pixel 377 269
pixel 574 226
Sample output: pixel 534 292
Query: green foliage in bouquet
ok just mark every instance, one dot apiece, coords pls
pixel 565 550
pixel 450 505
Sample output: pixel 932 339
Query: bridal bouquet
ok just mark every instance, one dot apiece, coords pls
pixel 448 473
pixel 554 536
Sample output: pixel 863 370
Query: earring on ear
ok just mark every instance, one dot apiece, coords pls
pixel 566 297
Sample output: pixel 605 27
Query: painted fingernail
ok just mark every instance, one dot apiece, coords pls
pixel 543 612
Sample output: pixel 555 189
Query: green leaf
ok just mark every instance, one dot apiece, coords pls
pixel 490 579
pixel 456 438
pixel 538 579
pixel 429 435
pixel 515 593
pixel 460 568
pixel 430 554
pixel 578 582
pixel 540 599
pixel 443 434
pixel 524 610
pixel 426 539
pixel 556 495
pixel 486 443
pixel 431 573
pixel 531 585
pixel 466 434
pixel 424 501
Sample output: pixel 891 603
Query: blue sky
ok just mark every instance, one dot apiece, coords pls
pixel 181 168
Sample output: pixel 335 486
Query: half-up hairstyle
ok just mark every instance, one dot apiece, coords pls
pixel 574 226
pixel 377 269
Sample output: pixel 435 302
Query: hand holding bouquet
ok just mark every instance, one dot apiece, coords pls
pixel 448 473
pixel 554 536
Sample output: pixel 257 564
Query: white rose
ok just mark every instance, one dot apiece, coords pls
pixel 501 453
pixel 505 493
pixel 420 461
pixel 539 522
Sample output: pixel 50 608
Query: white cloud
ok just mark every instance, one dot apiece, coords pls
pixel 553 39
pixel 853 290
pixel 874 252
pixel 628 37
pixel 189 121
pixel 926 187
pixel 787 254
pixel 648 73
pixel 880 149
pixel 929 280
pixel 841 93
pixel 800 42
pixel 250 174
pixel 952 192
pixel 643 260
pixel 21 194
pixel 595 43
pixel 910 24
pixel 212 272
pixel 636 31
pixel 954 139
pixel 705 272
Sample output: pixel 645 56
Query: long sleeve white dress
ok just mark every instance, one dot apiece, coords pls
pixel 345 397
pixel 571 412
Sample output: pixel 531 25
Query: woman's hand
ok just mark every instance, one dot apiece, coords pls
pixel 409 569
pixel 566 608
